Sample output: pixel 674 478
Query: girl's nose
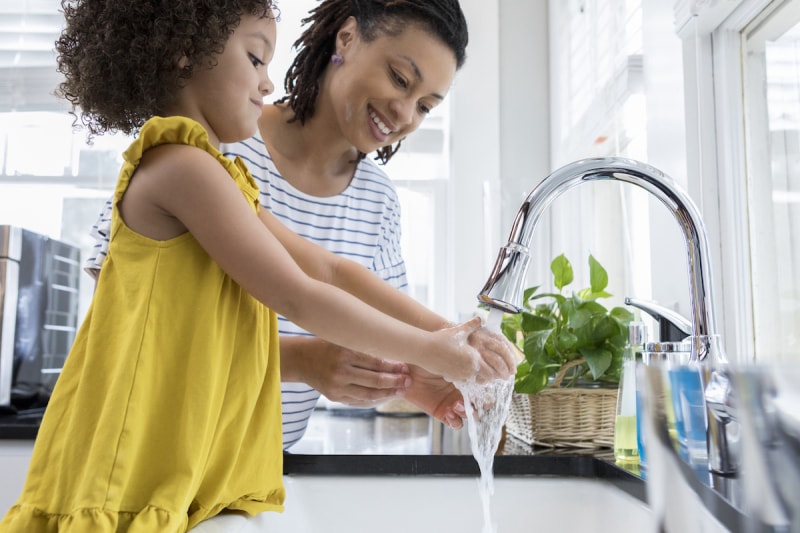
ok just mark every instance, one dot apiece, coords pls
pixel 266 86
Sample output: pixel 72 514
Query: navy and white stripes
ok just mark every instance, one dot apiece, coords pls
pixel 362 223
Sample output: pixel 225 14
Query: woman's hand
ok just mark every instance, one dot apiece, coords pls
pixel 340 374
pixel 436 397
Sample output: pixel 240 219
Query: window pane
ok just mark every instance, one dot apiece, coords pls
pixel 772 109
pixel 53 182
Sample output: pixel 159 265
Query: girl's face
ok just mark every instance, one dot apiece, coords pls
pixel 227 97
pixel 386 87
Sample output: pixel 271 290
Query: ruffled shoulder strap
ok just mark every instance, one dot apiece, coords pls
pixel 180 130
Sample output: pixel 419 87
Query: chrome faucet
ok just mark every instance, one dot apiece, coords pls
pixel 503 289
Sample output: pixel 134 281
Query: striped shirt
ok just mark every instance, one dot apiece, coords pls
pixel 362 223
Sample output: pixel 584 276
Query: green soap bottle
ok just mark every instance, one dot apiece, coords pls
pixel 626 449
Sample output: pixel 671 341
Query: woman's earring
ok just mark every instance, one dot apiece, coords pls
pixel 336 59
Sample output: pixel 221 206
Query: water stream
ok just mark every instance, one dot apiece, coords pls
pixel 487 408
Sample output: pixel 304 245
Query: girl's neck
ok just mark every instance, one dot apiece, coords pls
pixel 312 157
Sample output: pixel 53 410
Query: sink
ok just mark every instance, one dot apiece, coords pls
pixel 399 504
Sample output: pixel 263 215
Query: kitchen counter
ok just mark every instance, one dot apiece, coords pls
pixel 362 442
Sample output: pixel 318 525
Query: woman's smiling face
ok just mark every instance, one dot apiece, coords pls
pixel 385 87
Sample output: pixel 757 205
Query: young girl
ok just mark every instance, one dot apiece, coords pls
pixel 168 408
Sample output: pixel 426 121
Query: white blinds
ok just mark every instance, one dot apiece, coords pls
pixel 596 65
pixel 28 77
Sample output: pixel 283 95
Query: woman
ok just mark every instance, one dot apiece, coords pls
pixel 365 76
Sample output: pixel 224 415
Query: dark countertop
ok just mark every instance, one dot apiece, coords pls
pixel 362 442
pixel 20 425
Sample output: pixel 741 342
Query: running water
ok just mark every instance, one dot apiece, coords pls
pixel 487 408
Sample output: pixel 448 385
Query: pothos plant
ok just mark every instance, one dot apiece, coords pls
pixel 555 330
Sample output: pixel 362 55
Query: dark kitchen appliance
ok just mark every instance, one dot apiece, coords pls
pixel 39 279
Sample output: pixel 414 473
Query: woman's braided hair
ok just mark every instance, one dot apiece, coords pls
pixel 120 57
pixel 442 19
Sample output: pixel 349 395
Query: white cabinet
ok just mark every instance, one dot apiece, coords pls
pixel 15 455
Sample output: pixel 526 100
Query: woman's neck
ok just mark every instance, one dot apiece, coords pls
pixel 310 157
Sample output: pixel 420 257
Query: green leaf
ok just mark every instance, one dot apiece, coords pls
pixel 621 315
pixel 530 381
pixel 598 359
pixel 567 307
pixel 531 322
pixel 605 328
pixel 587 294
pixel 593 308
pixel 534 346
pixel 527 294
pixel 562 271
pixel 579 318
pixel 598 277
pixel 566 341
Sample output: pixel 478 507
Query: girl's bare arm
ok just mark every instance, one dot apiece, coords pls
pixel 179 188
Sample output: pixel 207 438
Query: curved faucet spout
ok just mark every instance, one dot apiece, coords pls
pixel 504 287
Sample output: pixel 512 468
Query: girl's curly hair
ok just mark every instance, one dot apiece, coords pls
pixel 443 19
pixel 120 57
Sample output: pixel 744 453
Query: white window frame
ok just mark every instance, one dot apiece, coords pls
pixel 712 37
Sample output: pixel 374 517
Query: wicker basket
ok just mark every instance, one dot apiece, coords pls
pixel 558 417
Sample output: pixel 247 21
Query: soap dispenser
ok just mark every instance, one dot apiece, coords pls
pixel 626 448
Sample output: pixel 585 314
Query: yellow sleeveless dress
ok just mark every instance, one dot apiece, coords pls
pixel 168 408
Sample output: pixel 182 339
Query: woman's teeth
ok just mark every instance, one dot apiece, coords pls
pixel 378 122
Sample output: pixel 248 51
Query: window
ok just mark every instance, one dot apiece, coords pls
pixel 599 110
pixel 771 88
pixel 51 181
pixel 742 74
pixel 54 183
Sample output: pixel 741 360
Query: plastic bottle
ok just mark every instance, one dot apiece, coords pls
pixel 626 447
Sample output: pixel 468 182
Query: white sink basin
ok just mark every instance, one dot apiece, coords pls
pixel 423 504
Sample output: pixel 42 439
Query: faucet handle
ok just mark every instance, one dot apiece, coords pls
pixel 672 326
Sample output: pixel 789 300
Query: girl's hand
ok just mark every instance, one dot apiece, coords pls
pixel 496 351
pixel 469 352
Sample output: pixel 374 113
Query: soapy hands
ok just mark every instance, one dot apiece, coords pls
pixel 497 358
pixel 470 352
pixel 497 348
pixel 362 380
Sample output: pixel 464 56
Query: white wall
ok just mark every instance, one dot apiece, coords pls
pixel 666 150
pixel 500 133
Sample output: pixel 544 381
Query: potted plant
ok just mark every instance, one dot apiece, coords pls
pixel 573 349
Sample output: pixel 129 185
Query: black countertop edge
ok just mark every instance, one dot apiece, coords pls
pixel 20 425
pixel 731 517
pixel 581 466
pixel 17 431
